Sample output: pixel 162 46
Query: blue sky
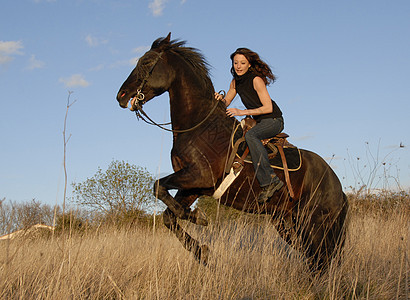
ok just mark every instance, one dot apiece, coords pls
pixel 342 69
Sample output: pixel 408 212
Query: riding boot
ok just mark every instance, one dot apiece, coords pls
pixel 269 190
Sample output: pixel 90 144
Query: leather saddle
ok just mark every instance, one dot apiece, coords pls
pixel 274 146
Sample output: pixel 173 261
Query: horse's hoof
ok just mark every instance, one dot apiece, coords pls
pixel 199 217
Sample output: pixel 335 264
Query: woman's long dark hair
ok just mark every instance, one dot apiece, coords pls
pixel 258 66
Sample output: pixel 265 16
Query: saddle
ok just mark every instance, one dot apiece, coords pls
pixel 274 145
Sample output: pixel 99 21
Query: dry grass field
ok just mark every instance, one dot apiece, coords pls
pixel 248 261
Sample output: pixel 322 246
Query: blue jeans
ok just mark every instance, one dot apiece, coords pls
pixel 266 128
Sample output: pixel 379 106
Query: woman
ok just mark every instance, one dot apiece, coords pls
pixel 250 77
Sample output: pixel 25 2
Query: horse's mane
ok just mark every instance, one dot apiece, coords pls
pixel 192 56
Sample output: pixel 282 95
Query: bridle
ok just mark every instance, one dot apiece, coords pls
pixel 139 100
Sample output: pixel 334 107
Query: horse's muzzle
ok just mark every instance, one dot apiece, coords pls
pixel 123 99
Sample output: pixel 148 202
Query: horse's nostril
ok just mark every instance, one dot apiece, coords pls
pixel 123 94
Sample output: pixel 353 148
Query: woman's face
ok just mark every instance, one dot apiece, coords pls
pixel 240 64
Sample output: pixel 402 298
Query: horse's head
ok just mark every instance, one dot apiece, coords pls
pixel 151 77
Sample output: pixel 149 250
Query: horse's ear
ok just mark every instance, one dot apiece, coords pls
pixel 161 42
pixel 168 38
pixel 165 42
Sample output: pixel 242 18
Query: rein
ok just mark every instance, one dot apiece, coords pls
pixel 138 101
pixel 151 122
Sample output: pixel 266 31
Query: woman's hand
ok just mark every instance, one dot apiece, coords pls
pixel 218 96
pixel 233 112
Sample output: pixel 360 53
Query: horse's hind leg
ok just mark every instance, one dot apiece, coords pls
pixel 201 252
pixel 287 229
pixel 306 238
pixel 326 239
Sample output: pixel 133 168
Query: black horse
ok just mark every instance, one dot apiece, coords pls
pixel 312 221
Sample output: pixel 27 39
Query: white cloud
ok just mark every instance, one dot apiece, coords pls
pixel 76 80
pixel 141 49
pixel 124 63
pixel 34 63
pixel 97 68
pixel 94 41
pixel 157 7
pixel 11 47
pixel 133 61
pixel 8 49
pixel 5 59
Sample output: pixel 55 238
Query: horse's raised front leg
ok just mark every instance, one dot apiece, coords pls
pixel 186 198
pixel 201 252
pixel 186 195
pixel 179 207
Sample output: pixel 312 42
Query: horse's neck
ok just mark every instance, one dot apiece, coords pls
pixel 189 105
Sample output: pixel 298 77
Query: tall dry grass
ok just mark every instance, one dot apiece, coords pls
pixel 248 261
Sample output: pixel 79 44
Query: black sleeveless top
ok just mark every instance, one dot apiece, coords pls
pixel 250 98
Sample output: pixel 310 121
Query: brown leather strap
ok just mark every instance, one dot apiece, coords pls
pixel 233 154
pixel 241 161
pixel 286 170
